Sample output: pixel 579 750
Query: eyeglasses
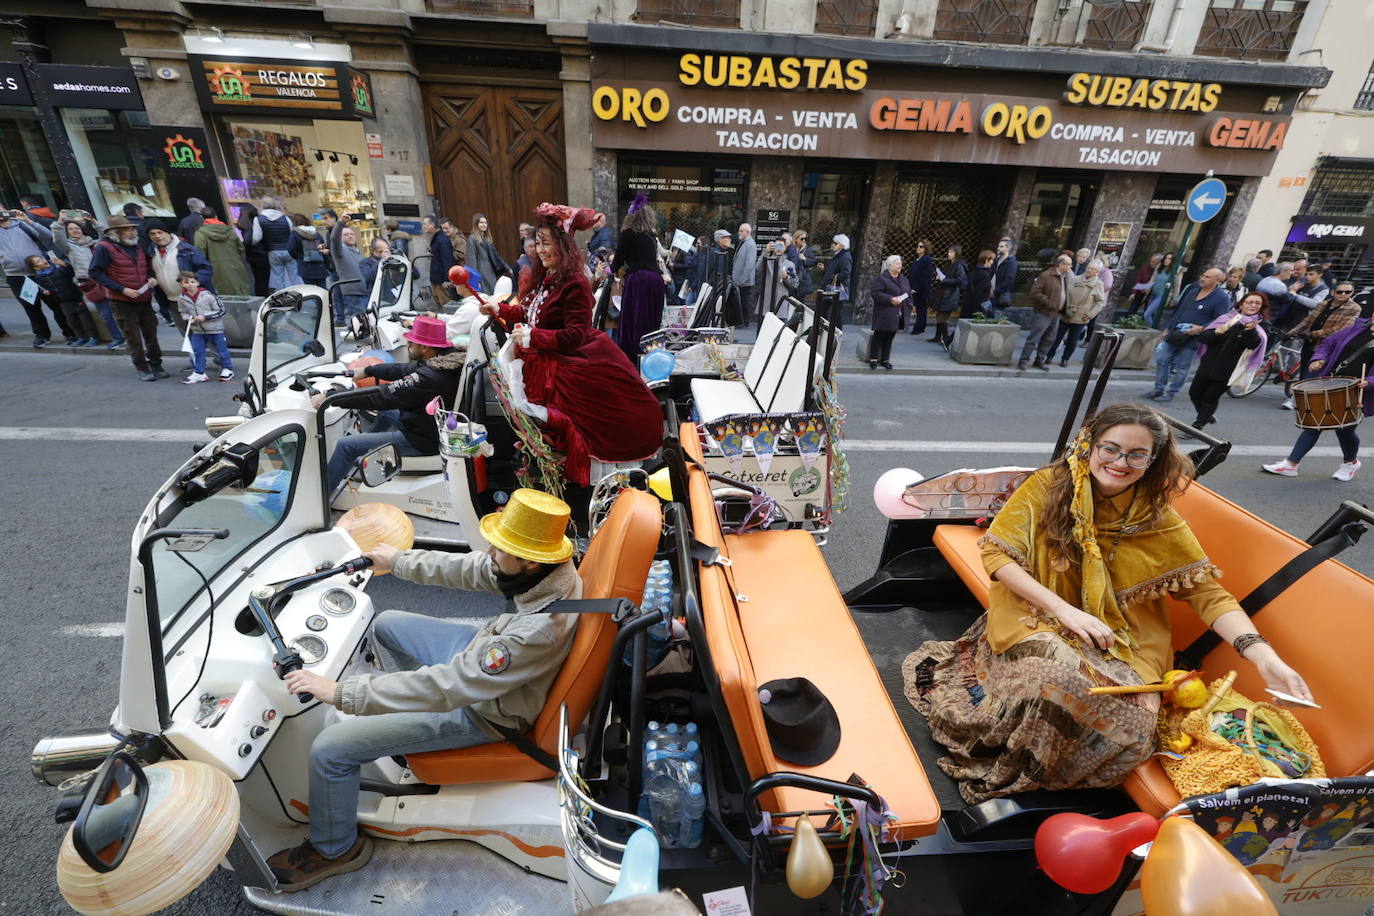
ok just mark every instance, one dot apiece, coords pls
pixel 1138 460
pixel 1344 292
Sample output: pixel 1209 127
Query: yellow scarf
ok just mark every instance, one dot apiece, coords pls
pixel 1142 561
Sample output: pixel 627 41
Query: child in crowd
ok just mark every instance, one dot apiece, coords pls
pixel 57 288
pixel 204 314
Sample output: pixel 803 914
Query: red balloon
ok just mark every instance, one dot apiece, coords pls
pixel 1085 855
pixel 458 275
pixel 362 362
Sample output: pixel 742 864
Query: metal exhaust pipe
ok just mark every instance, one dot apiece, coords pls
pixel 57 758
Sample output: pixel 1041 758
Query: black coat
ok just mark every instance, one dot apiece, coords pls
pixel 1224 350
pixel 412 386
pixel 889 315
pixel 953 287
pixel 636 251
pixel 838 271
pixel 922 278
pixel 805 259
pixel 979 289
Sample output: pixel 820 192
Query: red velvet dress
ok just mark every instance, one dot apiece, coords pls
pixel 584 379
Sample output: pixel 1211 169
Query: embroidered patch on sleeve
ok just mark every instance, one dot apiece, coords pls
pixel 496 659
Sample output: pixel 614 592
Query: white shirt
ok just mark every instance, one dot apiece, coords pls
pixel 166 268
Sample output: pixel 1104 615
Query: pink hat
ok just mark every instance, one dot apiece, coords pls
pixel 429 332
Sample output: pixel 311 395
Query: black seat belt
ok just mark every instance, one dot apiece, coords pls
pixel 1265 593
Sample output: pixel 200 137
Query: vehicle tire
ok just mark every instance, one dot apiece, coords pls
pixel 1256 383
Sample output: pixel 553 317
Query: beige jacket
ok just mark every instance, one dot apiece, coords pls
pixel 504 674
pixel 1086 298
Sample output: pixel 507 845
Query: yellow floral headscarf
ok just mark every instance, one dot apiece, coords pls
pixel 1147 561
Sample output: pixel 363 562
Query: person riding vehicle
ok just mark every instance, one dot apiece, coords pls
pixel 1083 557
pixel 436 371
pixel 451 685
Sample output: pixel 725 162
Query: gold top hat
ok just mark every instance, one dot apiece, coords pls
pixel 533 527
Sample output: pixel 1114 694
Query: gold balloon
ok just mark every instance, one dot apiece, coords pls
pixel 1187 873
pixel 188 826
pixel 378 523
pixel 809 869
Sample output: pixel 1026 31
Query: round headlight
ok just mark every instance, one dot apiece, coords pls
pixel 338 601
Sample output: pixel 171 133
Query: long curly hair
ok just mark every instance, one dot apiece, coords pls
pixel 643 220
pixel 572 262
pixel 1167 477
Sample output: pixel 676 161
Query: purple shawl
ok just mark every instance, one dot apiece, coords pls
pixel 1257 354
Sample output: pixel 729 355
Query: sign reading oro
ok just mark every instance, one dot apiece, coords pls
pixel 822 107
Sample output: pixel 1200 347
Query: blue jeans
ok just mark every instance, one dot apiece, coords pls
pixel 412 641
pixel 1172 365
pixel 221 344
pixel 281 270
pixel 107 316
pixel 1152 309
pixel 386 430
pixel 1350 443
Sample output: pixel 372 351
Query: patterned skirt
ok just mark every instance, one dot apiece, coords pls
pixel 1024 719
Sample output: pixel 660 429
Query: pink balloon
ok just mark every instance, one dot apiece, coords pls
pixel 1085 855
pixel 887 493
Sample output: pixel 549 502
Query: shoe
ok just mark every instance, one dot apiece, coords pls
pixel 1063 364
pixel 160 372
pixel 91 342
pixel 115 345
pixel 1164 399
pixel 1021 366
pixel 195 377
pixel 932 340
pixel 1346 472
pixel 1287 404
pixel 1043 367
pixel 40 342
pixel 226 375
pixel 1038 364
pixel 872 364
pixel 1152 395
pixel 1285 468
pixel 146 375
pixel 74 341
pixel 170 323
pixel 302 866
pixel 887 366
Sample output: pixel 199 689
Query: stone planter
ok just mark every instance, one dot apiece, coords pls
pixel 984 344
pixel 1137 349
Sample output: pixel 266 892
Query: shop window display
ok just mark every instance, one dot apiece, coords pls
pixel 120 161
pixel 698 199
pixel 308 165
pixel 26 165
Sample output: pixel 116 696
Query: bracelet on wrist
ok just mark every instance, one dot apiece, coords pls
pixel 1247 640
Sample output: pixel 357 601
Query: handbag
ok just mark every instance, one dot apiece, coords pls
pixel 92 290
pixel 1243 375
pixel 1176 338
pixel 1235 741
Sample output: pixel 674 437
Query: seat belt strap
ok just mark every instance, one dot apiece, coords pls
pixel 527 747
pixel 1265 593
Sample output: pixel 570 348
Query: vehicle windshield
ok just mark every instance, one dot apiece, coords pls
pixel 248 512
pixel 285 333
pixel 393 280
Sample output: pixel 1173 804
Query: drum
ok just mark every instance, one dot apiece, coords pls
pixel 1328 403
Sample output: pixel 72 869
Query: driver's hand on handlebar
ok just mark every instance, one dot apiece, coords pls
pixel 359 373
pixel 315 400
pixel 309 682
pixel 383 557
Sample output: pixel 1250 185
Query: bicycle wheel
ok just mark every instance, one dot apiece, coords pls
pixel 1257 381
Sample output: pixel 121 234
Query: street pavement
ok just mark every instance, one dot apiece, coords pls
pixel 86 444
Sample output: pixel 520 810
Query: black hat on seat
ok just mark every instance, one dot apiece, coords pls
pixel 803 727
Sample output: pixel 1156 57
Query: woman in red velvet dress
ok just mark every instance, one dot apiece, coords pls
pixel 598 405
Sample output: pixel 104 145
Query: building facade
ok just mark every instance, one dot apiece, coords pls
pixel 1059 123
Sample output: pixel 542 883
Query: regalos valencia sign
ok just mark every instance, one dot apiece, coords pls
pixel 315 89
pixel 828 107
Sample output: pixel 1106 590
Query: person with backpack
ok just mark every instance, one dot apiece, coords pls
pixel 272 229
pixel 304 246
pixel 122 266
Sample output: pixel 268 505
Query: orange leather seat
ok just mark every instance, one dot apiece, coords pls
pixel 795 623
pixel 615 566
pixel 1321 626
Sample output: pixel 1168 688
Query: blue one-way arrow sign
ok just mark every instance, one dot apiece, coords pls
pixel 1205 200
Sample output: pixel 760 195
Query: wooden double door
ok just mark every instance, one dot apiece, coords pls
pixel 498 151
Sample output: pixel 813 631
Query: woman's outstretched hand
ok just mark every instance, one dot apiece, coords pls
pixel 1279 676
pixel 1084 625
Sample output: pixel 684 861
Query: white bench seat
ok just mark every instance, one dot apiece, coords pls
pixel 774 378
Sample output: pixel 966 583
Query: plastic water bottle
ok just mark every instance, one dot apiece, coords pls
pixel 692 751
pixel 652 731
pixel 672 733
pixel 690 732
pixel 692 811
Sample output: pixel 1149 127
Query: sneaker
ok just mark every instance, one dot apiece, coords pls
pixel 1287 404
pixel 1043 367
pixel 226 375
pixel 195 377
pixel 1021 366
pixel 160 372
pixel 1285 468
pixel 146 375
pixel 304 865
pixel 1346 472
pixel 40 342
pixel 74 341
pixel 1063 364
pixel 1152 395
pixel 1164 399
pixel 115 345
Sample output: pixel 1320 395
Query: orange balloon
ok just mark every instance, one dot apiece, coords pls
pixel 1187 873
pixel 371 524
pixel 362 362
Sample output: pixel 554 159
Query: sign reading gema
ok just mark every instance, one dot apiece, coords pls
pixel 311 89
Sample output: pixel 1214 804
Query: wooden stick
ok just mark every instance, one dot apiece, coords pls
pixel 1215 698
pixel 1132 688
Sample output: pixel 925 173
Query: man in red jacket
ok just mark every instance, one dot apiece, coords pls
pixel 123 268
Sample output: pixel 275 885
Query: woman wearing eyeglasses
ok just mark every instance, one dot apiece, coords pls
pixel 1083 558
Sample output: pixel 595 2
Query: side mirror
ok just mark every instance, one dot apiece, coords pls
pixel 359 326
pixel 379 465
pixel 313 347
pixel 110 813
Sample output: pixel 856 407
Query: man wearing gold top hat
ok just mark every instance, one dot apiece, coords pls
pixel 451 685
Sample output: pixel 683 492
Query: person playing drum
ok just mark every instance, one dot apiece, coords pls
pixel 1350 354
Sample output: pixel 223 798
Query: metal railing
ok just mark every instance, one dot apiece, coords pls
pixel 847 17
pixel 1263 30
pixel 711 14
pixel 1116 27
pixel 985 21
pixel 521 9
